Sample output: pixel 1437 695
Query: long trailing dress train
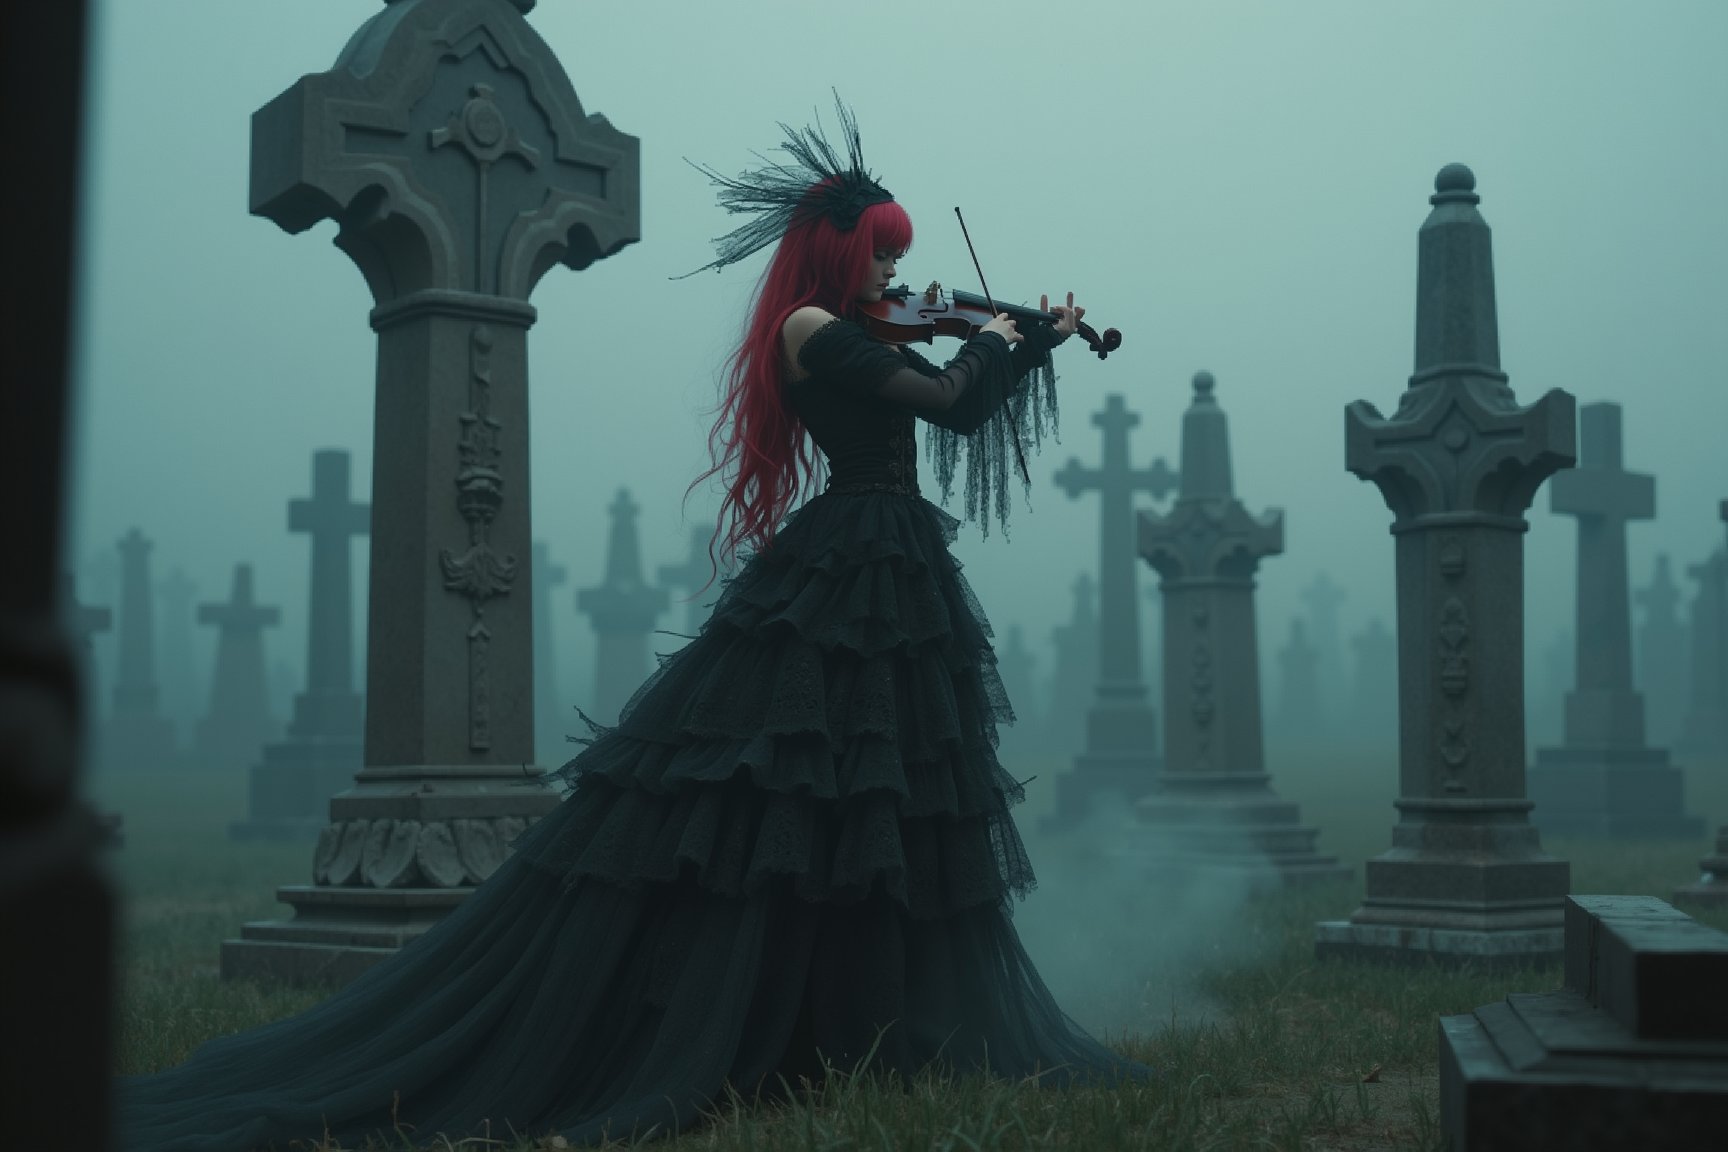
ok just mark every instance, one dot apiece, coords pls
pixel 794 846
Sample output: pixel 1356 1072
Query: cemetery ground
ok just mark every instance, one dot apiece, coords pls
pixel 1287 1052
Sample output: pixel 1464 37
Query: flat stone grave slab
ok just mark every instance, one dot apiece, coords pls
pixel 1632 1053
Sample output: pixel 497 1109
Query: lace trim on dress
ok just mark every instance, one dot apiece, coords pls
pixel 827 329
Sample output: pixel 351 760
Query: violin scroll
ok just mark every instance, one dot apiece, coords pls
pixel 1102 343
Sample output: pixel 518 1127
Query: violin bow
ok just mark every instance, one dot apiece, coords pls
pixel 1019 453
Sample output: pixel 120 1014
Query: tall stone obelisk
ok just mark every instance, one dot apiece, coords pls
pixel 1212 808
pixel 622 609
pixel 451 150
pixel 1458 464
pixel 696 576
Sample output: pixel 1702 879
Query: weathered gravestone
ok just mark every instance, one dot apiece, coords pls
pixel 290 788
pixel 233 732
pixel 1021 745
pixel 282 681
pixel 1154 629
pixel 57 914
pixel 138 738
pixel 1604 780
pixel 81 623
pixel 1547 679
pixel 1120 754
pixel 1298 724
pixel 175 600
pixel 1662 670
pixel 1075 669
pixel 1706 729
pixel 103 569
pixel 1323 598
pixel 622 609
pixel 1374 696
pixel 1212 808
pixel 1458 464
pixel 692 577
pixel 1632 1053
pixel 1710 890
pixel 554 716
pixel 460 167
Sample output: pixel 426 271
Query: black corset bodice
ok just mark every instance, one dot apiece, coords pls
pixel 867 441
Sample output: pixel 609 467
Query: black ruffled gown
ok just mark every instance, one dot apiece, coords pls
pixel 795 841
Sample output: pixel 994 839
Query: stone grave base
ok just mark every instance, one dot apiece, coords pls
pixel 1631 1054
pixel 1449 947
pixel 401 848
pixel 290 791
pixel 1254 839
pixel 1610 793
pixel 336 933
pixel 1710 890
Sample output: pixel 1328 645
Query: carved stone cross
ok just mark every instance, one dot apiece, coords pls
pixel 329 707
pixel 1603 709
pixel 1121 750
pixel 459 166
pixel 239 721
pixel 1116 481
pixel 1603 780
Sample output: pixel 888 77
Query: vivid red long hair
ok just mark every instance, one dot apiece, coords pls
pixel 757 443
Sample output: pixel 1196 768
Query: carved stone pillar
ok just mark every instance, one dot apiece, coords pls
pixel 1458 464
pixel 460 167
pixel 1212 807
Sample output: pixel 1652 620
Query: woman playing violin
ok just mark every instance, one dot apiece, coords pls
pixel 794 850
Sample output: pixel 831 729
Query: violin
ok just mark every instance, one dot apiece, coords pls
pixel 902 316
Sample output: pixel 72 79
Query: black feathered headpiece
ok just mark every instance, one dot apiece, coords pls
pixel 781 195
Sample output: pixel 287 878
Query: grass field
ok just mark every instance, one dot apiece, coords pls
pixel 1261 1046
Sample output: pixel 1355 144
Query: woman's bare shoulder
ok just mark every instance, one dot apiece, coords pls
pixel 802 324
pixel 799 327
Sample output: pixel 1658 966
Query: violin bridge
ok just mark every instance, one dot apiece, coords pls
pixel 933 293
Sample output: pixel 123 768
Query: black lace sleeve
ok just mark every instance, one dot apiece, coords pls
pixel 1014 405
pixel 845 356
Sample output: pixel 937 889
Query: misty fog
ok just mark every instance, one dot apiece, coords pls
pixel 1235 186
